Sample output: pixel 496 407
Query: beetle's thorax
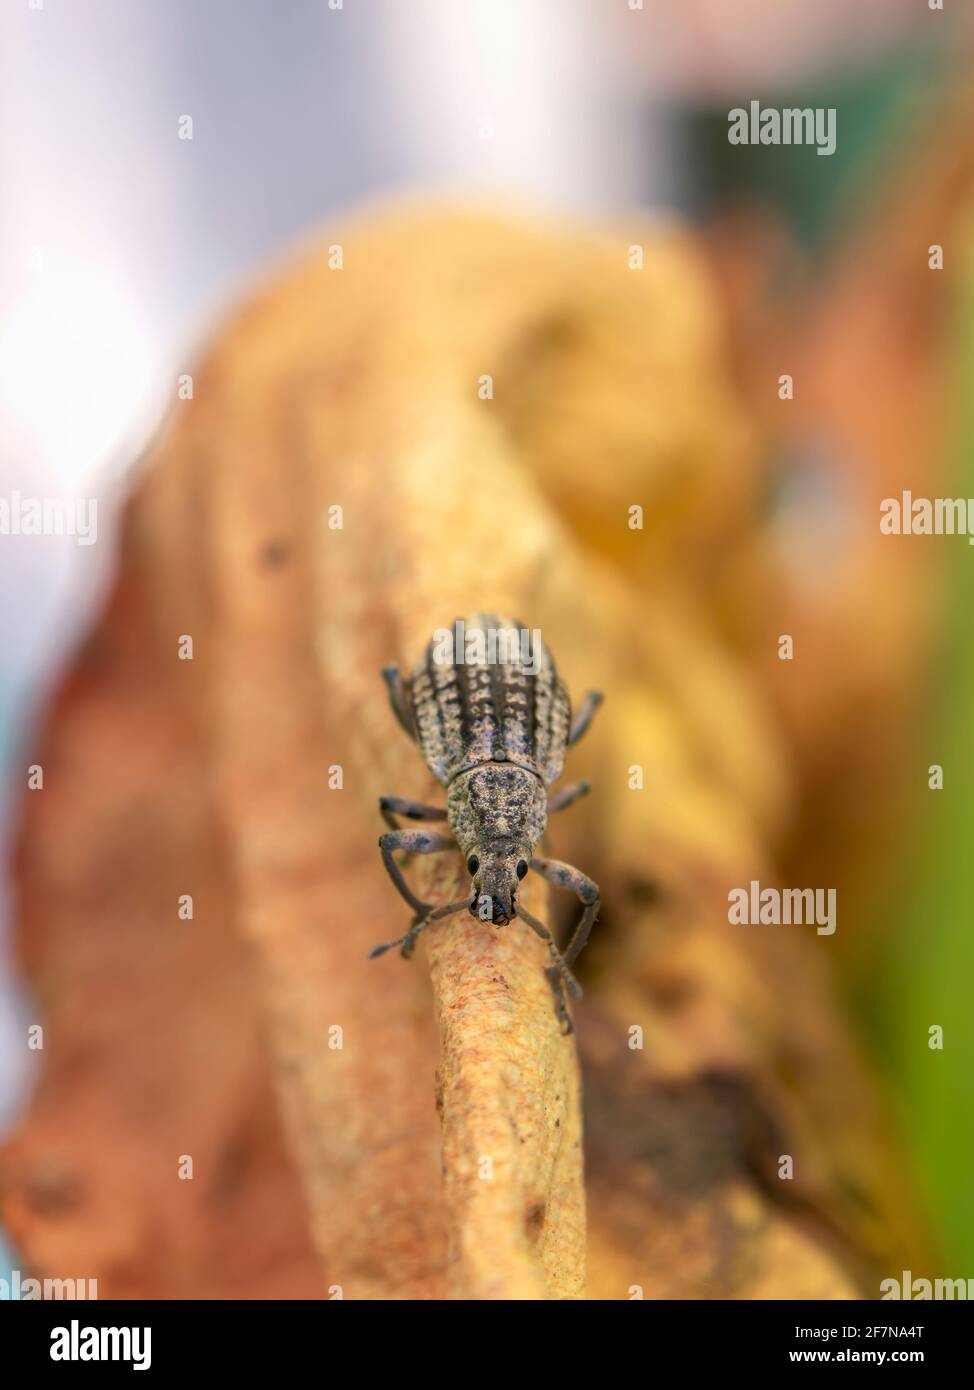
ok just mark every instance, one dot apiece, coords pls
pixel 497 812
pixel 498 808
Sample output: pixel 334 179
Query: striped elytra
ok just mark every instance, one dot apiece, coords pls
pixel 489 694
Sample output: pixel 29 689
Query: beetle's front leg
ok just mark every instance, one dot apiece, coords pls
pixel 559 976
pixel 408 942
pixel 416 842
pixel 565 876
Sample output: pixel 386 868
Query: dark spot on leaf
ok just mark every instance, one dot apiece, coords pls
pixel 534 1218
pixel 52 1188
pixel 274 554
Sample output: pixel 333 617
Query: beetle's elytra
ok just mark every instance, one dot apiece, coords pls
pixel 493 721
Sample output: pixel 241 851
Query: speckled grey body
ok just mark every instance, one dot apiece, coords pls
pixel 494 733
pixel 493 721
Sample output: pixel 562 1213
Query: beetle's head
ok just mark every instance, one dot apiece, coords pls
pixel 495 875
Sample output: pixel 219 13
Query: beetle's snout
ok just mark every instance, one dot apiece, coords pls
pixel 494 891
pixel 501 909
pixel 492 907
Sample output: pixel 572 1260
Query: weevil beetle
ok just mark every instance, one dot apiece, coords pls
pixel 493 721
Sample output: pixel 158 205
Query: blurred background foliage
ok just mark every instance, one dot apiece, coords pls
pixel 925 977
pixel 896 113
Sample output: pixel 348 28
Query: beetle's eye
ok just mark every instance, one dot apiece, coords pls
pixel 473 864
pixel 522 868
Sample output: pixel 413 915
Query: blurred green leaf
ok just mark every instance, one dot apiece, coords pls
pixel 930 974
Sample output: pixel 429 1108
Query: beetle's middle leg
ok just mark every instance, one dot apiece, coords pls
pixel 565 876
pixel 392 806
pixel 568 795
